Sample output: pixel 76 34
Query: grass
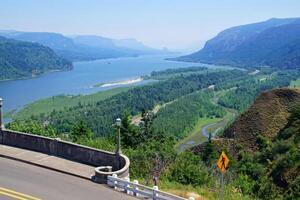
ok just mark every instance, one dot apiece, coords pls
pixel 199 193
pixel 202 193
pixel 63 101
pixel 295 84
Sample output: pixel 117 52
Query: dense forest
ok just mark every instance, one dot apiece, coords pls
pixel 244 93
pixel 25 59
pixel 168 73
pixel 101 115
pixel 179 118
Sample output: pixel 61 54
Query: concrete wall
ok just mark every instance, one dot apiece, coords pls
pixel 67 150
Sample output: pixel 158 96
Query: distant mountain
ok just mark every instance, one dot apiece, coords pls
pixel 123 45
pixel 134 44
pixel 94 41
pixel 275 43
pixel 84 47
pixel 25 59
pixel 52 40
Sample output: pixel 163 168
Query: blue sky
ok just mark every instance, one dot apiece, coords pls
pixel 176 24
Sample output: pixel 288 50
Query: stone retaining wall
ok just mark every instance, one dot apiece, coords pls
pixel 74 152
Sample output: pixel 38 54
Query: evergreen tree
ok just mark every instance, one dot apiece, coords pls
pixel 80 133
pixel 130 135
pixel 146 124
pixel 209 152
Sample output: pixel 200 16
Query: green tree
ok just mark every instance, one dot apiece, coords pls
pixel 146 125
pixel 80 133
pixel 151 156
pixel 130 134
pixel 188 169
pixel 33 127
pixel 209 153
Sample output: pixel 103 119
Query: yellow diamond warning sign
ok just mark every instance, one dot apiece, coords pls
pixel 223 162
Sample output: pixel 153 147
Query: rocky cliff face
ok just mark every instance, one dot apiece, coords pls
pixel 275 43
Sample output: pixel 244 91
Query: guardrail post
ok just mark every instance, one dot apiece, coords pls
pixel 136 188
pixel 115 183
pixel 155 190
pixel 127 185
pixel 1 115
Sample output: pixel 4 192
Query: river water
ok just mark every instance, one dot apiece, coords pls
pixel 83 77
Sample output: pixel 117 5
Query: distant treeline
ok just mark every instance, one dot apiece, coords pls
pixel 169 73
pixel 178 70
pixel 246 91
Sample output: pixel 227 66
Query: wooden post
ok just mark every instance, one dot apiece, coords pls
pixel 222 187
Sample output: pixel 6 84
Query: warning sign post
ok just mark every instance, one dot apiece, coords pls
pixel 223 162
pixel 222 165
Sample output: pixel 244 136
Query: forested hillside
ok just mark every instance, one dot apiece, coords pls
pixel 24 59
pixel 180 117
pixel 264 146
pixel 271 43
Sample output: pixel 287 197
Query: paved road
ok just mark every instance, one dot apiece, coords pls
pixel 27 182
pixel 204 131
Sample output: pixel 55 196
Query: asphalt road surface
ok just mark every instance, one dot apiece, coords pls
pixel 27 182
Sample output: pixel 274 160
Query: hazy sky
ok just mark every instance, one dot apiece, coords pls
pixel 176 24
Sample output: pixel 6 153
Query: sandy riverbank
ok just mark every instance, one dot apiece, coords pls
pixel 125 82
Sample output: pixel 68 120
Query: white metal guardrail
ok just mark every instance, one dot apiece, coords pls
pixel 135 189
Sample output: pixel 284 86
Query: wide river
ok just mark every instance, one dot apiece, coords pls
pixel 82 78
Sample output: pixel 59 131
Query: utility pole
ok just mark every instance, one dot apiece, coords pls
pixel 1 115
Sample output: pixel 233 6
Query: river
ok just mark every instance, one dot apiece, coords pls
pixel 83 77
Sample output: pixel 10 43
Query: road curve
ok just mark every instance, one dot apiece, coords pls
pixel 204 131
pixel 17 179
